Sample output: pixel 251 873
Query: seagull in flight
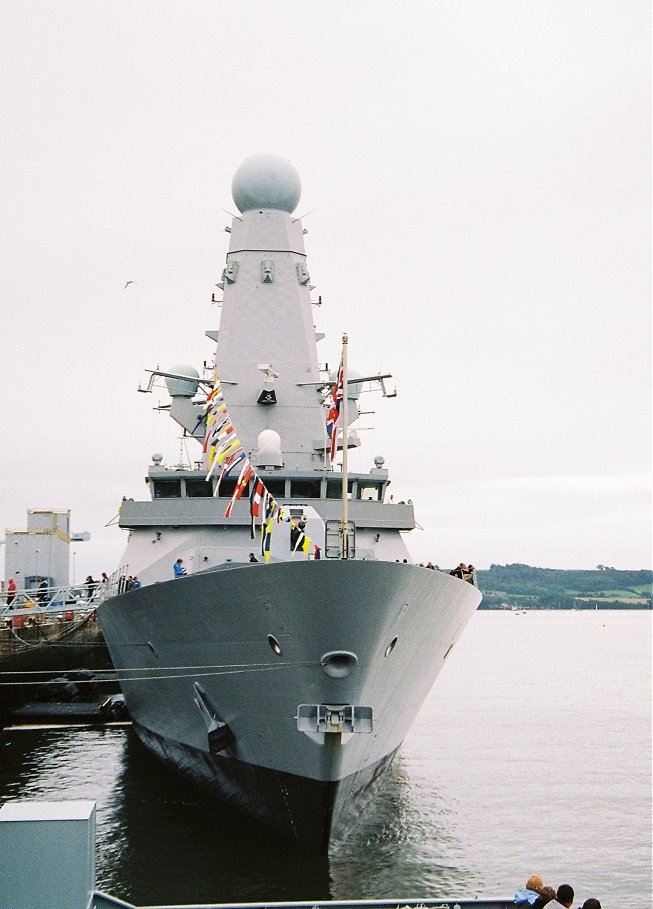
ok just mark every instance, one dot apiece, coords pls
pixel 128 283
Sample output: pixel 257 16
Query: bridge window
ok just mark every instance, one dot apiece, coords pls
pixel 334 488
pixel 198 489
pixel 276 488
pixel 167 489
pixel 370 492
pixel 228 487
pixel 305 489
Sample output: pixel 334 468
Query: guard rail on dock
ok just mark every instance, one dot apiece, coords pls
pixel 47 601
pixel 48 860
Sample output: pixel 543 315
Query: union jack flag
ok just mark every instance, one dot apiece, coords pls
pixel 334 412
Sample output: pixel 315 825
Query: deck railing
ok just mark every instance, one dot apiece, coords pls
pixel 82 597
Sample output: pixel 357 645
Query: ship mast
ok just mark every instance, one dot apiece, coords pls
pixel 344 535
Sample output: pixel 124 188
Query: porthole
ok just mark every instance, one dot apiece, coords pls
pixel 391 646
pixel 274 644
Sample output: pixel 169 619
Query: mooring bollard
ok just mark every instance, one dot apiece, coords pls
pixel 48 854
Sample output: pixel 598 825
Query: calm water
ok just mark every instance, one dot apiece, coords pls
pixel 532 754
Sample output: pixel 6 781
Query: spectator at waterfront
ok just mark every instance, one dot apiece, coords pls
pixel 547 894
pixel 42 592
pixel 178 569
pixel 591 903
pixel 532 890
pixel 565 896
pixel 11 592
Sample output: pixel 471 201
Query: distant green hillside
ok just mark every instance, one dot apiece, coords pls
pixel 550 588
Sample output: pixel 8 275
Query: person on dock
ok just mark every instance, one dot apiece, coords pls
pixel 42 592
pixel 11 592
pixel 178 569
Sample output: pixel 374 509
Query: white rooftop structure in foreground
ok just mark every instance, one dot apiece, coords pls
pixel 48 851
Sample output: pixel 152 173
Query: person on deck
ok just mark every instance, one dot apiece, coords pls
pixel 178 568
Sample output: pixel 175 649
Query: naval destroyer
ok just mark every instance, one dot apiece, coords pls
pixel 283 665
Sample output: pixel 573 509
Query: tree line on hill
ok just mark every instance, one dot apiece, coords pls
pixel 504 586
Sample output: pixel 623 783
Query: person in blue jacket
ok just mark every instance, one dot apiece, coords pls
pixel 531 891
pixel 178 568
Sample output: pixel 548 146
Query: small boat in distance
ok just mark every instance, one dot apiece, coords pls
pixel 282 665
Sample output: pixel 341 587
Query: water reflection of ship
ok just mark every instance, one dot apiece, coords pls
pixel 395 842
pixel 205 851
pixel 189 849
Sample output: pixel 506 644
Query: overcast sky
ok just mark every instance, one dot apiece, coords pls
pixel 478 178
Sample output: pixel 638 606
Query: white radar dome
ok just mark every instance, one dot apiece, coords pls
pixel 269 449
pixel 353 390
pixel 178 388
pixel 266 181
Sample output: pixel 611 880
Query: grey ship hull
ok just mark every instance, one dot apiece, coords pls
pixel 210 696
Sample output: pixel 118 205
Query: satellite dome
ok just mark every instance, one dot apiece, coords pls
pixel 269 449
pixel 178 388
pixel 353 388
pixel 266 181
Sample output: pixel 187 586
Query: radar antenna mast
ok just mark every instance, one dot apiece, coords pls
pixel 344 524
